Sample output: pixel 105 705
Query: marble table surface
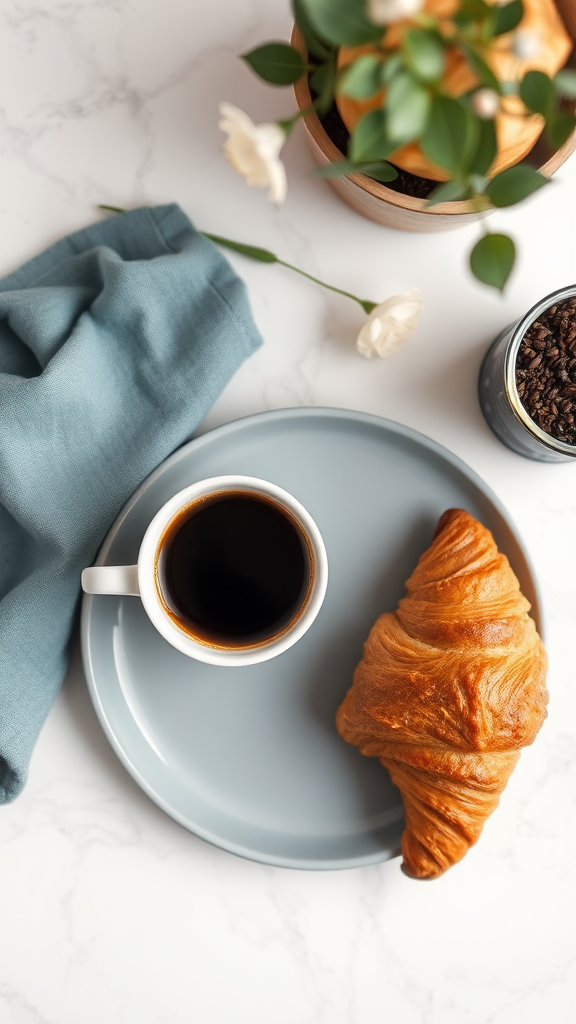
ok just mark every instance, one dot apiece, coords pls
pixel 110 911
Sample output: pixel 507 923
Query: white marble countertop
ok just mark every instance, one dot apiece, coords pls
pixel 109 910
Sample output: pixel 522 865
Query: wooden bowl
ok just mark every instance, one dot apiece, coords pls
pixel 395 209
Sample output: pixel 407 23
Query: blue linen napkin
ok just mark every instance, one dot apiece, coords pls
pixel 113 345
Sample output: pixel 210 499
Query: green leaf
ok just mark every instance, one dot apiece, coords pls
pixel 314 45
pixel 336 169
pixel 379 170
pixel 484 72
pixel 538 93
pixel 559 127
pixel 391 67
pixel 276 63
pixel 323 82
pixel 477 183
pixel 565 83
pixel 424 54
pixel 449 191
pixel 368 141
pixel 507 17
pixel 362 78
pixel 471 11
pixel 318 79
pixel 262 255
pixel 342 22
pixel 492 259
pixel 486 149
pixel 407 109
pixel 470 142
pixel 515 184
pixel 446 138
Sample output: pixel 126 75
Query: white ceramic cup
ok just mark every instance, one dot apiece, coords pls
pixel 144 579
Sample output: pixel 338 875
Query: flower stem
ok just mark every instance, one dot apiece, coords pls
pixel 265 256
pixel 288 123
pixel 367 306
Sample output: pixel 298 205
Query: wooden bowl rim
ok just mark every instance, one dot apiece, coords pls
pixel 375 188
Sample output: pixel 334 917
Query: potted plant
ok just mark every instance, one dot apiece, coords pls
pixel 422 114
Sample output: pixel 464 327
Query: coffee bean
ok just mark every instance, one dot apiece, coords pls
pixel 546 371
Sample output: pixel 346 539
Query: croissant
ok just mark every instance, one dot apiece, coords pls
pixel 449 688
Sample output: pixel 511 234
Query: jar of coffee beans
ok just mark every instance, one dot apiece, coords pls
pixel 527 385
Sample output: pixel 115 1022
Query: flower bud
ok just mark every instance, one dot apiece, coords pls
pixel 526 44
pixel 486 103
pixel 382 12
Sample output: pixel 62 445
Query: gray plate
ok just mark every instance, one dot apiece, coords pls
pixel 249 758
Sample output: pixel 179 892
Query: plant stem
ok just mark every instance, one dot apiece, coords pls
pixel 367 306
pixel 288 123
pixel 268 257
pixel 265 256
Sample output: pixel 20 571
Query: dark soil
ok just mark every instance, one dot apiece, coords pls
pixel 546 371
pixel 408 184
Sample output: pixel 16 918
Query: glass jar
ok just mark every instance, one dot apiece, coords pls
pixel 498 394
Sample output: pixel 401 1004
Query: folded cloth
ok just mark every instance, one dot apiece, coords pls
pixel 113 345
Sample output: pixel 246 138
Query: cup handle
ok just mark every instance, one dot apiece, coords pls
pixel 111 579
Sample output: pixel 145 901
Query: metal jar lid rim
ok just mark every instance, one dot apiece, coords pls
pixel 514 343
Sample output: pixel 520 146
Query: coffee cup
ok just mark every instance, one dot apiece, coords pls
pixel 231 571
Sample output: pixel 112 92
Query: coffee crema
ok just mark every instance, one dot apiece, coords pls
pixel 234 569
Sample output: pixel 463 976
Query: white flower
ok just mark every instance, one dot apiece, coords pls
pixel 382 12
pixel 389 324
pixel 486 103
pixel 526 44
pixel 253 150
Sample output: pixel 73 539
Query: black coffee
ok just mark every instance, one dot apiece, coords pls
pixel 236 569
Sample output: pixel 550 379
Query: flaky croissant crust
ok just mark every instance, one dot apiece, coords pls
pixel 449 688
